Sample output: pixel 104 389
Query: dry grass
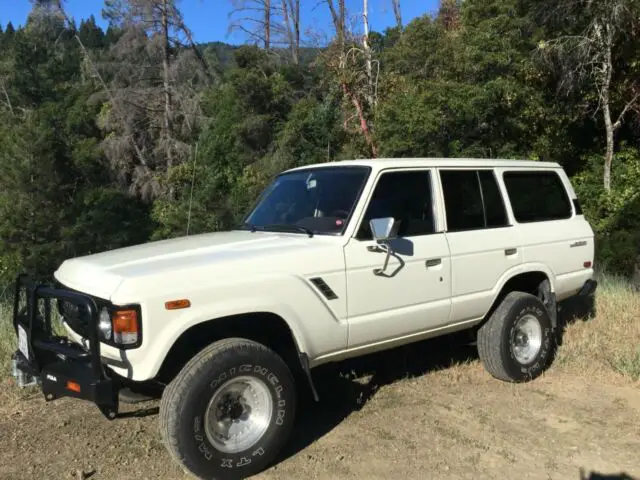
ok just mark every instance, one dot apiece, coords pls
pixel 608 341
pixel 7 339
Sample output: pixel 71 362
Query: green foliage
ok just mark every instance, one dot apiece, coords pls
pixel 615 217
pixel 465 82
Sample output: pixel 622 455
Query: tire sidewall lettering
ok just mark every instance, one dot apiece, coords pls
pixel 241 459
pixel 533 368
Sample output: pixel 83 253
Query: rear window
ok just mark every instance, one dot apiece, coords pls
pixel 537 196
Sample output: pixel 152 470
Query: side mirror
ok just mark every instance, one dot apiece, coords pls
pixel 383 229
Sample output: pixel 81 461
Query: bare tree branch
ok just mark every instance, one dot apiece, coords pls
pixel 626 109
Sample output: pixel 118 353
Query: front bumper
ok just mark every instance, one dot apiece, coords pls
pixel 60 367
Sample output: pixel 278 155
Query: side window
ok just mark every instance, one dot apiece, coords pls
pixel 493 202
pixel 405 196
pixel 537 196
pixel 472 200
pixel 462 200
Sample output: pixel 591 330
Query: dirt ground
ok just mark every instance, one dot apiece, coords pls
pixel 409 413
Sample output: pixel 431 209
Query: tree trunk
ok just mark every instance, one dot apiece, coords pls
pixel 338 18
pixel 608 158
pixel 364 127
pixel 288 14
pixel 367 52
pixel 398 13
pixel 296 27
pixel 166 82
pixel 267 24
pixel 606 107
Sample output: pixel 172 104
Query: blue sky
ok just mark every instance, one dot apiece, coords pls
pixel 209 21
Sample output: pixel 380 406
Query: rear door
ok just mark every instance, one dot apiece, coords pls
pixel 484 245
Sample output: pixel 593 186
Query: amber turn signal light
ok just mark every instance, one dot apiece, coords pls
pixel 125 321
pixel 177 304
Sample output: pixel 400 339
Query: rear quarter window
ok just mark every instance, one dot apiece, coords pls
pixel 537 196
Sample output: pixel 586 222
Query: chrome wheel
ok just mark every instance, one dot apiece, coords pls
pixel 527 339
pixel 238 414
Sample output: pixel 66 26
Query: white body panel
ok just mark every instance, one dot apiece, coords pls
pixel 240 272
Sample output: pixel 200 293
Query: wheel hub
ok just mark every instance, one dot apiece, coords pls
pixel 527 339
pixel 238 414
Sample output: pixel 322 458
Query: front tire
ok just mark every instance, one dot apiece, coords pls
pixel 517 343
pixel 229 411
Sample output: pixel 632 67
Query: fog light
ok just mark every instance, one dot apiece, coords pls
pixel 104 324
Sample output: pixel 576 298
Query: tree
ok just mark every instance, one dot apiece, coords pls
pixel 255 18
pixel 591 55
pixel 397 13
pixel 152 55
pixel 350 65
pixel 291 20
pixel 338 16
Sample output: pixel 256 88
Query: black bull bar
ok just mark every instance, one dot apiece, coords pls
pixel 61 367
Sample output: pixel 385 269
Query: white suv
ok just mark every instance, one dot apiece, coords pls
pixel 334 261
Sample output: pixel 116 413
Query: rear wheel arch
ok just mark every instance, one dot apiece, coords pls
pixel 536 282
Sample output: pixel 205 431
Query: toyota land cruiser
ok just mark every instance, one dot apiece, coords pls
pixel 334 261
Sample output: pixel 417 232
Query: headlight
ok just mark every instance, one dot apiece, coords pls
pixel 105 324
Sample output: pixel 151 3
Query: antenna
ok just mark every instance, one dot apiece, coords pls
pixel 193 179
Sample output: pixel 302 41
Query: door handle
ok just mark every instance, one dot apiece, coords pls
pixel 510 251
pixel 433 262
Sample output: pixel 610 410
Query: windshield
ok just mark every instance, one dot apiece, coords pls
pixel 318 200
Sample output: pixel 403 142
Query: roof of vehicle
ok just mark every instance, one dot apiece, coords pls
pixel 380 163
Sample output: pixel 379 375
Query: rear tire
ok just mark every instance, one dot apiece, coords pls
pixel 517 343
pixel 229 411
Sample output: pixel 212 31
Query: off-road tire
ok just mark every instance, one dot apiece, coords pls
pixel 495 339
pixel 185 400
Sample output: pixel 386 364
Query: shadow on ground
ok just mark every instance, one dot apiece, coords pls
pixel 343 388
pixel 572 310
pixel 341 393
pixel 600 476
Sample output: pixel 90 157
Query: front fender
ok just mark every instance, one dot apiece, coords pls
pixel 315 327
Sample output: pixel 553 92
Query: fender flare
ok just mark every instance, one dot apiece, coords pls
pixel 523 268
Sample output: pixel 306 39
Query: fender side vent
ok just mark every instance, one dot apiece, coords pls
pixel 324 288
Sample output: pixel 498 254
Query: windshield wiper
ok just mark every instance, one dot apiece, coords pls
pixel 290 227
pixel 247 226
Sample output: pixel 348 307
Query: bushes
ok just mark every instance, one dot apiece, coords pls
pixel 615 217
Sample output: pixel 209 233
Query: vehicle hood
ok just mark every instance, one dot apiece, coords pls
pixel 100 274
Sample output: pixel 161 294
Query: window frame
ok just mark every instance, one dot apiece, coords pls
pixel 535 171
pixel 435 201
pixel 503 194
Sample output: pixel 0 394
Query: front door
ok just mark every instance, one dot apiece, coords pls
pixel 412 294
